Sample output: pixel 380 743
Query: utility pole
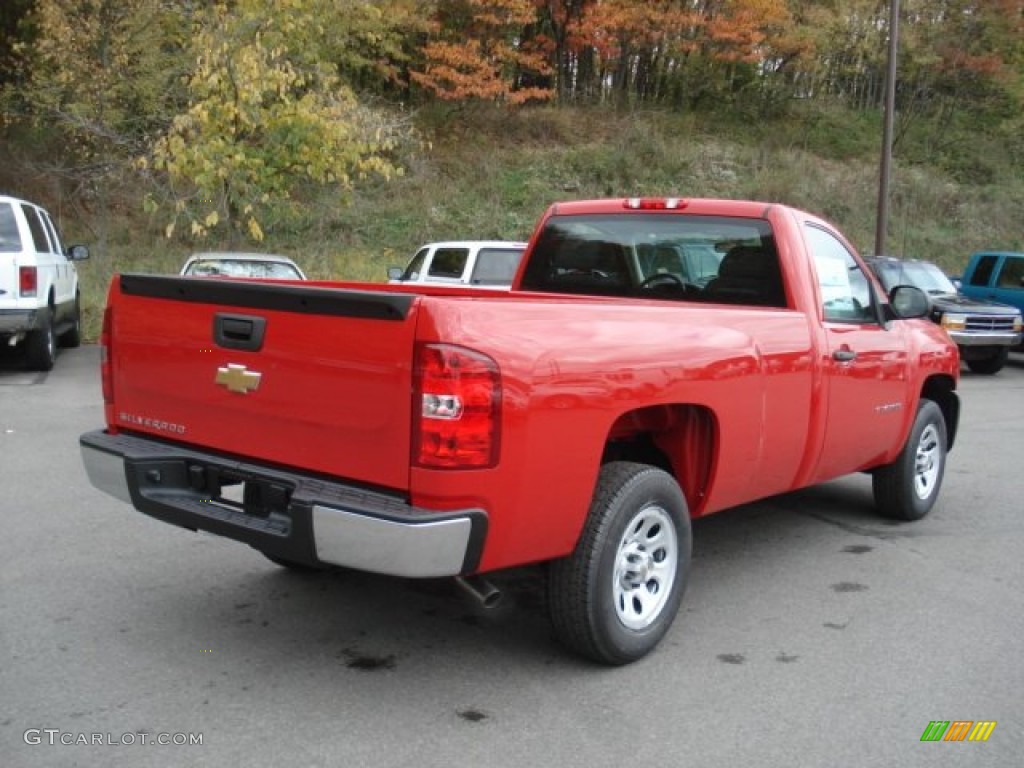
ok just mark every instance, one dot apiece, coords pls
pixel 882 218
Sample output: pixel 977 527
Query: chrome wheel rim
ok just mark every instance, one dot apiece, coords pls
pixel 927 462
pixel 645 567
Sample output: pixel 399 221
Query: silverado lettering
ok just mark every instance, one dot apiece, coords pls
pixel 655 361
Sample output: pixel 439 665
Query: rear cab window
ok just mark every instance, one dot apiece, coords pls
pixel 496 266
pixel 684 257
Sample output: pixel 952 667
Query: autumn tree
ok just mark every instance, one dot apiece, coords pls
pixel 674 51
pixel 480 49
pixel 268 113
pixel 958 51
pixel 561 22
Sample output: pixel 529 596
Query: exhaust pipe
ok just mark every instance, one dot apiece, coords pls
pixel 481 590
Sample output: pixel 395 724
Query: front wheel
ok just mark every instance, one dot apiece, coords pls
pixel 907 488
pixel 990 365
pixel 616 595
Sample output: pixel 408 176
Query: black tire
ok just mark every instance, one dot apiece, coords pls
pixel 907 488
pixel 614 598
pixel 990 365
pixel 72 337
pixel 41 346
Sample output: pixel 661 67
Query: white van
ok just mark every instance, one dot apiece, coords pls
pixel 479 263
pixel 40 302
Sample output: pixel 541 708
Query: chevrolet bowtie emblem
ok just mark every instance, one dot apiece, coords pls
pixel 237 379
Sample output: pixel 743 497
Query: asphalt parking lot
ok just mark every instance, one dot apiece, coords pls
pixel 813 633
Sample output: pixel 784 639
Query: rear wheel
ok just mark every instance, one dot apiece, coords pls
pixel 41 345
pixel 990 365
pixel 72 337
pixel 616 595
pixel 907 488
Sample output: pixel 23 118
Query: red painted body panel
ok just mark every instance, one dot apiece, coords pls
pixel 332 399
pixel 744 402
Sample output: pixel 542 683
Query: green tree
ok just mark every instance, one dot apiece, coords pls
pixel 12 12
pixel 269 113
pixel 103 74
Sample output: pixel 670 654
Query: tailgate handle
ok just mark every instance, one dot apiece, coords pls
pixel 238 331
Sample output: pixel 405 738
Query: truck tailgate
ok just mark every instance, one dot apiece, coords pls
pixel 296 375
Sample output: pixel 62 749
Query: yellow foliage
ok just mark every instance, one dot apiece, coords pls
pixel 255 232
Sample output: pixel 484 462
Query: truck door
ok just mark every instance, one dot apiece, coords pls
pixel 980 278
pixel 864 363
pixel 1009 283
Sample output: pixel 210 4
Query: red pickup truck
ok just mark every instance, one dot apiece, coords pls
pixel 656 360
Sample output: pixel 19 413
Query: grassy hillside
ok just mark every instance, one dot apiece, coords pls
pixel 488 173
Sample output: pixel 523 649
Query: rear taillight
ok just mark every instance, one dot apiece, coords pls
pixel 106 372
pixel 456 408
pixel 28 281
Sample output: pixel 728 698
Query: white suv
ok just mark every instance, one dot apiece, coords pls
pixel 40 302
pixel 479 263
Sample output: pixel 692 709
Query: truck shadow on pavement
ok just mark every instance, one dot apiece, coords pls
pixel 14 370
pixel 357 622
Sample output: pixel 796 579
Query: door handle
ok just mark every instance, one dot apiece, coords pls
pixel 844 355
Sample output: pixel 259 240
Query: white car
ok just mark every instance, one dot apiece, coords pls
pixel 40 301
pixel 237 264
pixel 477 263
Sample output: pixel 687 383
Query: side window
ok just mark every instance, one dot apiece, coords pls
pixel 496 266
pixel 845 289
pixel 412 272
pixel 39 239
pixel 983 271
pixel 10 238
pixel 449 262
pixel 1012 275
pixel 52 231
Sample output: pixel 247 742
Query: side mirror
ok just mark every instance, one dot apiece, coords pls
pixel 77 253
pixel 395 273
pixel 909 302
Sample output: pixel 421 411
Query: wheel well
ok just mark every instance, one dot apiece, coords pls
pixel 681 439
pixel 942 390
